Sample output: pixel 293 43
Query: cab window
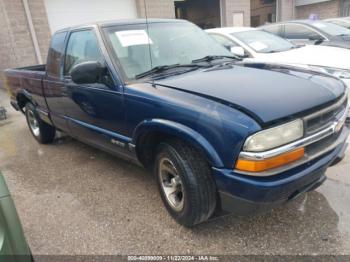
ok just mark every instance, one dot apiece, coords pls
pixel 82 47
pixel 55 54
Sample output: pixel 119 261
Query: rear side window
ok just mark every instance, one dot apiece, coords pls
pixel 298 32
pixel 82 47
pixel 55 53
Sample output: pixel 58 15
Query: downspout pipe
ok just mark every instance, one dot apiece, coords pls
pixel 32 31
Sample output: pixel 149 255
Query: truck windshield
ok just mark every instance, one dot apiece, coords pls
pixel 139 48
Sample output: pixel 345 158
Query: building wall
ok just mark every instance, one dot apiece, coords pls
pixel 229 7
pixel 155 8
pixel 323 10
pixel 66 13
pixel 16 44
pixel 286 10
pixel 41 26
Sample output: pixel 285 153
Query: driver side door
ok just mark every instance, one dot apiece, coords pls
pixel 95 112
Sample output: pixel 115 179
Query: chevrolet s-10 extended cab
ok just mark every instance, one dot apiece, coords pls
pixel 219 135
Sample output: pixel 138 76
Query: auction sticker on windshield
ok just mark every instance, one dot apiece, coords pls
pixel 133 37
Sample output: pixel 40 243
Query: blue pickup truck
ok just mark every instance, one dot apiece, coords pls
pixel 218 134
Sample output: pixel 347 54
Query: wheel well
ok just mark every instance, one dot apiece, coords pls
pixel 146 146
pixel 22 100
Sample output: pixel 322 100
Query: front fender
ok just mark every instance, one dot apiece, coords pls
pixel 182 132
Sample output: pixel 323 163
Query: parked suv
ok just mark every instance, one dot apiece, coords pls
pixel 217 134
pixel 306 32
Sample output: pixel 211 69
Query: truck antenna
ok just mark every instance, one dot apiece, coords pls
pixel 149 40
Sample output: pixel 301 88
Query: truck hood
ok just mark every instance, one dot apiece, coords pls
pixel 310 55
pixel 265 95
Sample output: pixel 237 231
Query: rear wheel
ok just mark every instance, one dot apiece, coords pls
pixel 185 183
pixel 42 132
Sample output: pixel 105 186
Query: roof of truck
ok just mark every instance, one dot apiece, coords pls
pixel 121 22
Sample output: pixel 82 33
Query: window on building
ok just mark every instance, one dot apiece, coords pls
pixel 255 20
pixel 82 46
pixel 268 2
pixel 345 8
pixel 298 32
pixel 271 18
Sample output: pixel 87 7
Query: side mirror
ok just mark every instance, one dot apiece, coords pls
pixel 317 38
pixel 238 51
pixel 89 72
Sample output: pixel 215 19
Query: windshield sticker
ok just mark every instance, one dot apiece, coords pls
pixel 319 25
pixel 258 46
pixel 133 37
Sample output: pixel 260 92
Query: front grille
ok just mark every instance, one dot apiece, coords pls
pixel 324 117
pixel 321 144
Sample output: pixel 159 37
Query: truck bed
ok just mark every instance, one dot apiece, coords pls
pixel 27 80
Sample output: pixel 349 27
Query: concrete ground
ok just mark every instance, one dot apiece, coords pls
pixel 74 199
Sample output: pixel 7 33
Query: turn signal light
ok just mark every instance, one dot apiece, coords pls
pixel 269 163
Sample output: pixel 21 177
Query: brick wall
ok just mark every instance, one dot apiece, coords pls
pixel 41 25
pixel 156 8
pixel 231 6
pixel 16 43
pixel 323 10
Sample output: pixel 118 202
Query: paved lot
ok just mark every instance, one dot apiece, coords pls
pixel 74 199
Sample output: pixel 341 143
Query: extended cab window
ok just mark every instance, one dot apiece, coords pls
pixel 55 53
pixel 298 32
pixel 82 47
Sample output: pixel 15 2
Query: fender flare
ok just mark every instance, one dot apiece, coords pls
pixel 181 131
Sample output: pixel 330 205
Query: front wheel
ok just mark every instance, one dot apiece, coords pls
pixel 185 183
pixel 42 132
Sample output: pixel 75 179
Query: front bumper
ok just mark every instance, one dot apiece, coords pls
pixel 244 195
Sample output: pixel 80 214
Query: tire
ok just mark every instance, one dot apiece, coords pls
pixel 42 132
pixel 185 176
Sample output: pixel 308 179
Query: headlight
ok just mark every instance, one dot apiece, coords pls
pixel 274 137
pixel 337 72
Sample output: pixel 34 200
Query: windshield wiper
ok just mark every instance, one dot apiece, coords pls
pixel 162 68
pixel 210 58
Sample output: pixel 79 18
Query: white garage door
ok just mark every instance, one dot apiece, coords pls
pixel 65 13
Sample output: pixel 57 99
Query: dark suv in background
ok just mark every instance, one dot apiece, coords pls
pixel 306 32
